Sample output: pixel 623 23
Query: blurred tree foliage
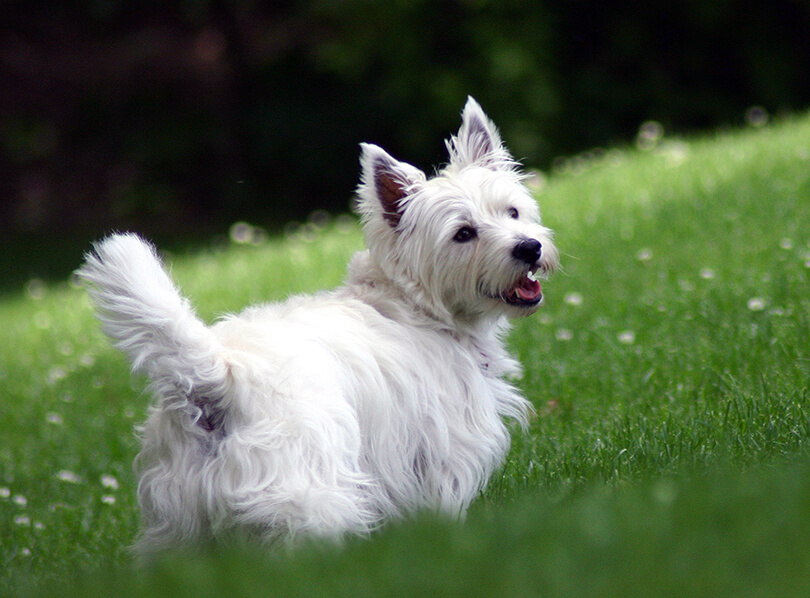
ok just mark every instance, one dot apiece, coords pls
pixel 183 114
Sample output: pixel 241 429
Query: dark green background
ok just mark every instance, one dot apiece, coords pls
pixel 184 115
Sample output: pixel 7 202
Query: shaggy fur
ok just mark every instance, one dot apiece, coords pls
pixel 330 413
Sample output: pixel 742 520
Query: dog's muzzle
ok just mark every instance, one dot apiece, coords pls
pixel 526 292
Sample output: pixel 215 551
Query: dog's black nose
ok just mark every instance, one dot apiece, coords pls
pixel 527 251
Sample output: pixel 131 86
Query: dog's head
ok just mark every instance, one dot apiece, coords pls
pixel 465 243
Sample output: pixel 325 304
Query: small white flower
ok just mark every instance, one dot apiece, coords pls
pixel 786 244
pixel 68 476
pixel 20 500
pixel 627 337
pixel 109 482
pixel 573 299
pixel 22 520
pixel 707 273
pixel 649 135
pixel 53 418
pixel 108 499
pixel 243 233
pixel 4 492
pixel 644 255
pixel 36 289
pixel 87 360
pixel 240 233
pixel 756 116
pixel 563 334
pixel 56 374
pixel 756 304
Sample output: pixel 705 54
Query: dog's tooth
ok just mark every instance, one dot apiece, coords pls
pixel 531 276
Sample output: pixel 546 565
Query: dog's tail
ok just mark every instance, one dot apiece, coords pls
pixel 142 311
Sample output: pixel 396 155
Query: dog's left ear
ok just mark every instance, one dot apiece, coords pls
pixel 386 184
pixel 478 141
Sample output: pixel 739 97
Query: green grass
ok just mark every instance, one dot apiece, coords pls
pixel 669 368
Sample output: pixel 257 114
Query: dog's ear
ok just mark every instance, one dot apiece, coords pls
pixel 386 184
pixel 478 141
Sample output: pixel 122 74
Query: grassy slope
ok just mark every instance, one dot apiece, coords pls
pixel 670 371
pixel 700 255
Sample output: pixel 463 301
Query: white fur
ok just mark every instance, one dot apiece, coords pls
pixel 330 413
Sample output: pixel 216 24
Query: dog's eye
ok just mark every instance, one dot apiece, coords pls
pixel 465 234
pixel 513 213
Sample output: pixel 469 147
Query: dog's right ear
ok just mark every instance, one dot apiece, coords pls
pixel 386 184
pixel 478 141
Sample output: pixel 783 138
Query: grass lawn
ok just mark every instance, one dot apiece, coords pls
pixel 669 369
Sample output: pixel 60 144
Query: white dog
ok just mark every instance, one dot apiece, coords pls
pixel 330 413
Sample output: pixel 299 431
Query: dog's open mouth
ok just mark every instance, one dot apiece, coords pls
pixel 526 292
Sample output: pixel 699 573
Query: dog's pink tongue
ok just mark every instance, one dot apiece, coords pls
pixel 529 290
